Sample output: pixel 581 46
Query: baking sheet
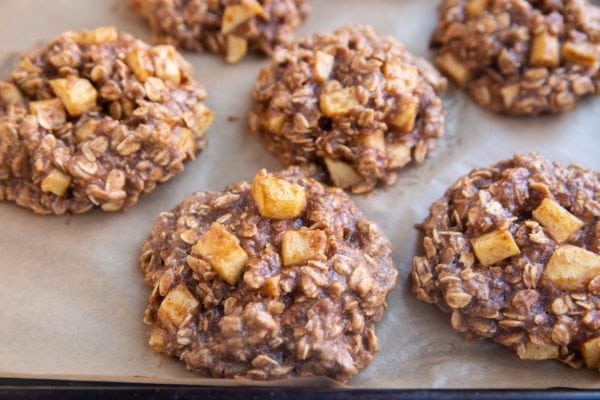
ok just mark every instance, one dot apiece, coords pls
pixel 72 296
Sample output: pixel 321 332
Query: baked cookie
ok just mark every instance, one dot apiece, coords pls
pixel 512 253
pixel 95 118
pixel 229 27
pixel 279 278
pixel 520 57
pixel 351 106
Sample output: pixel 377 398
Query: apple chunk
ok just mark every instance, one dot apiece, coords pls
pixel 277 198
pixel 559 222
pixel 534 351
pixel 544 50
pixel 343 175
pixel 323 66
pixel 56 182
pixel 222 250
pixel 77 95
pixel 572 267
pixel 591 353
pixel 454 68
pixel 495 246
pixel 340 102
pixel 177 305
pixel 297 247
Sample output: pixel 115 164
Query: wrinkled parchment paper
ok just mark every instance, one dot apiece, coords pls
pixel 72 297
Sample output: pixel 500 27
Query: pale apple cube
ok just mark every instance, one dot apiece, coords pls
pixel 298 247
pixel 544 50
pixel 374 140
pixel 141 63
pixel 9 93
pixel 157 339
pixel 237 47
pixel 342 175
pixel 323 66
pixel 533 351
pixel 100 35
pixel 454 68
pixel 404 75
pixel 591 353
pixel 559 222
pixel 277 198
pixel 56 182
pixel 237 14
pixel 509 94
pixel 186 142
pixel 494 247
pixel 340 102
pixel 273 123
pixel 77 95
pixel 177 305
pixel 222 250
pixel 166 66
pixel 572 267
pixel 50 113
pixel 404 118
pixel 203 119
pixel 398 155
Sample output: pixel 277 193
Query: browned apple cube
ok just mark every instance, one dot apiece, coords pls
pixel 453 67
pixel 273 123
pixel 475 8
pixel 340 102
pixel 398 155
pixel 591 353
pixel 298 247
pixel 534 351
pixel 203 119
pixel 186 142
pixel 494 246
pixel 277 198
pixel 559 222
pixel 509 94
pixel 237 14
pixel 271 287
pixel 342 174
pixel 572 267
pixel 86 129
pixel 77 95
pixel 177 305
pixel 223 252
pixel 50 113
pixel 237 47
pixel 9 93
pixel 580 53
pixel 140 62
pixel 323 66
pixel 544 50
pixel 157 339
pixel 100 35
pixel 165 63
pixel 56 182
pixel 402 74
pixel 404 118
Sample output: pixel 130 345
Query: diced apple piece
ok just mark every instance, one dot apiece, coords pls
pixel 157 339
pixel 559 222
pixel 140 62
pixel 77 95
pixel 9 93
pixel 86 129
pixel 475 8
pixel 374 140
pixel 223 252
pixel 323 66
pixel 404 118
pixel 271 287
pixel 405 75
pixel 203 119
pixel 100 35
pixel 237 47
pixel 342 174
pixel 361 280
pixel 177 305
pixel 398 154
pixel 572 267
pixel 49 113
pixel 591 353
pixel 544 50
pixel 237 14
pixel 165 63
pixel 580 53
pixel 277 198
pixel 185 142
pixel 297 247
pixel 56 182
pixel 454 68
pixel 273 123
pixel 509 93
pixel 340 102
pixel 495 246
pixel 534 351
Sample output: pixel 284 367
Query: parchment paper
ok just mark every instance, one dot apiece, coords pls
pixel 72 296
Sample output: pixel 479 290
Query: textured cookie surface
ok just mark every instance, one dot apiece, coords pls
pixel 520 57
pixel 279 278
pixel 96 118
pixel 352 106
pixel 512 252
pixel 229 27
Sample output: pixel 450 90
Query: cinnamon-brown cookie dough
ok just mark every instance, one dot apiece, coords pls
pixel 351 106
pixel 512 252
pixel 521 57
pixel 95 118
pixel 278 278
pixel 229 27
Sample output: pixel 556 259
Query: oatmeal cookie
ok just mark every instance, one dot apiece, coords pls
pixel 512 253
pixel 279 278
pixel 521 57
pixel 351 106
pixel 229 27
pixel 95 118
